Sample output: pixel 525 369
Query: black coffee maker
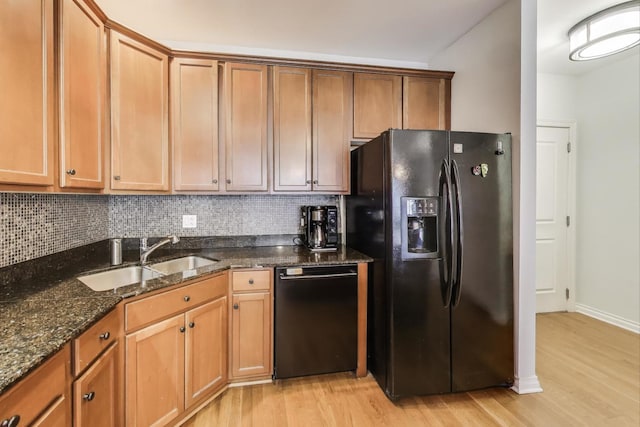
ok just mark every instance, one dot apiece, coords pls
pixel 320 227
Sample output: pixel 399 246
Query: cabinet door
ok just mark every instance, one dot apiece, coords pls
pixel 377 104
pixel 26 92
pixel 42 398
pixel 56 415
pixel 251 335
pixel 245 101
pixel 426 103
pixel 194 119
pixel 154 381
pixel 95 393
pixel 82 85
pixel 332 123
pixel 291 129
pixel 139 116
pixel 206 350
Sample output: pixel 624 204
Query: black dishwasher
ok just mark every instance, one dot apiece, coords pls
pixel 316 320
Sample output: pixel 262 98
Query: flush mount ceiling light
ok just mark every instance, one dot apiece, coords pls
pixel 609 31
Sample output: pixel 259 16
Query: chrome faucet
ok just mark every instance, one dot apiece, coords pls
pixel 146 251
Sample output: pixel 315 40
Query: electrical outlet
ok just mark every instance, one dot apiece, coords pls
pixel 189 221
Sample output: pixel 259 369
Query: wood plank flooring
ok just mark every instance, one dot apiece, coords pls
pixel 589 370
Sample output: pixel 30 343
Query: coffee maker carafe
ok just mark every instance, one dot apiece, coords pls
pixel 320 226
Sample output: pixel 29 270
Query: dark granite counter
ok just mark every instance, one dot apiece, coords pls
pixel 43 305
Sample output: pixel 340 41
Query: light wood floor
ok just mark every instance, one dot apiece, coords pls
pixel 589 370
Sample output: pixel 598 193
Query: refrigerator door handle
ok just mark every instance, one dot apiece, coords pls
pixel 449 248
pixel 457 283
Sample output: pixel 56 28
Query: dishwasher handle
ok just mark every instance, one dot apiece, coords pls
pixel 317 276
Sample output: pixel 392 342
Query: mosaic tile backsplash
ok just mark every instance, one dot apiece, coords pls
pixel 140 216
pixel 35 225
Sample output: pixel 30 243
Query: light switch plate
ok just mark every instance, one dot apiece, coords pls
pixel 189 221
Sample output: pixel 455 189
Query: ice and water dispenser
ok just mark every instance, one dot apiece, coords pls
pixel 419 227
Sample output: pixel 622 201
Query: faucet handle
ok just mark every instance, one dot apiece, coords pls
pixel 174 239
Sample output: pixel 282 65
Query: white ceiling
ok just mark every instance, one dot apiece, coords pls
pixel 555 18
pixel 401 33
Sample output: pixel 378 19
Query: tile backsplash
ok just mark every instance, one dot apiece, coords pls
pixel 35 225
pixel 139 216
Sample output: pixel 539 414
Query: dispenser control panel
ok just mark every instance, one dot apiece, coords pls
pixel 420 229
pixel 422 207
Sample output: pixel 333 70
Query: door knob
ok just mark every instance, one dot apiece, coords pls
pixel 186 298
pixel 192 325
pixel 71 172
pixel 236 306
pixel 89 396
pixel 105 336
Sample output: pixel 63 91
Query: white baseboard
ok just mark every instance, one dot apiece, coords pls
pixel 613 319
pixel 527 385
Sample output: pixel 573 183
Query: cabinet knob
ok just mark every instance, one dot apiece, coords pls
pixel 116 177
pixel 105 336
pixel 89 396
pixel 315 181
pixel 308 181
pixel 236 306
pixel 192 325
pixel 186 298
pixel 215 181
pixel 11 422
pixel 251 281
pixel 228 181
pixel 71 172
pixel 182 329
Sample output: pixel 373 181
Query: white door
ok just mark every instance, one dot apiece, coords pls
pixel 552 211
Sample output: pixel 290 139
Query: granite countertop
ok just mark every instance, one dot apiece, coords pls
pixel 43 305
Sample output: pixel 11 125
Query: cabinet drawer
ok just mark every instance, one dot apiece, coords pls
pixel 251 280
pixel 148 310
pixel 43 392
pixel 97 338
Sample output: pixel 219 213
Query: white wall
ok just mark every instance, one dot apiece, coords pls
pixel 605 104
pixel 493 90
pixel 608 193
pixel 557 97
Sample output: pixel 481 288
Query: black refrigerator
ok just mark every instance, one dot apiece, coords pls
pixel 434 211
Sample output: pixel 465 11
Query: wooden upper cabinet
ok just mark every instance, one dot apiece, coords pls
pixel 194 120
pixel 82 96
pixel 139 116
pixel 377 104
pixel 426 103
pixel 245 121
pixel 27 128
pixel 291 129
pixel 332 124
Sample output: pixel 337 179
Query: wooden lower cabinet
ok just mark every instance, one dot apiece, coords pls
pixel 43 398
pixel 174 364
pixel 251 336
pixel 95 393
pixel 251 320
pixel 154 374
pixel 206 350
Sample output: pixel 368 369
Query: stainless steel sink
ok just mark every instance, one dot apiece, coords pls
pixel 185 265
pixel 113 279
